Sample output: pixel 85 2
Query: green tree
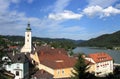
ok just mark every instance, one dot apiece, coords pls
pixel 71 53
pixel 3 47
pixel 80 69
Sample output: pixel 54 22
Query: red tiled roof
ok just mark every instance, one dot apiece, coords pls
pixel 56 58
pixel 48 49
pixel 13 47
pixel 100 57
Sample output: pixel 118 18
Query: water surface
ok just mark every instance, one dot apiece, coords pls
pixel 87 50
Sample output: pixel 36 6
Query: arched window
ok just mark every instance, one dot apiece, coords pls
pixel 28 35
pixel 28 40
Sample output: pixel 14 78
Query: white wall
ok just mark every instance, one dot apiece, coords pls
pixel 28 42
pixel 104 67
pixel 16 67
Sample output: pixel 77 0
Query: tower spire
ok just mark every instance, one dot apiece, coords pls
pixel 28 27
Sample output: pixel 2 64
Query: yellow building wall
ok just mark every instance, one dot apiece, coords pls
pixel 62 73
pixel 57 73
pixel 48 69
pixel 35 57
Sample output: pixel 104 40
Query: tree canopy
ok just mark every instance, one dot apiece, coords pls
pixel 80 69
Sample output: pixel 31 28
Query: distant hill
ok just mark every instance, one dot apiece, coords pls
pixel 21 38
pixel 106 40
pixel 56 42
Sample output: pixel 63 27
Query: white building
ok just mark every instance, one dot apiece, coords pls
pixel 19 65
pixel 28 40
pixel 102 63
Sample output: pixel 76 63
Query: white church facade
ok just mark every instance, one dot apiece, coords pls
pixel 27 48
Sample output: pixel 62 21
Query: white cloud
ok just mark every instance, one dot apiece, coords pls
pixel 56 7
pixel 101 12
pixel 60 5
pixel 111 11
pixel 65 15
pixel 101 3
pixel 93 10
pixel 13 22
pixel 59 13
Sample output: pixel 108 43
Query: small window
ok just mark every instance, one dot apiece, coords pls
pixel 58 71
pixel 62 71
pixel 17 73
pixel 28 35
pixel 27 40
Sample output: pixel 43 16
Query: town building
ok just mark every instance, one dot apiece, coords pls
pixel 102 63
pixel 54 61
pixel 17 64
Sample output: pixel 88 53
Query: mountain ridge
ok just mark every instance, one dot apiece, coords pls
pixel 105 40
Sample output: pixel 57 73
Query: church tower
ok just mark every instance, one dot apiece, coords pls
pixel 28 40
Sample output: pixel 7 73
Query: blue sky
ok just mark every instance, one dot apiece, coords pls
pixel 73 19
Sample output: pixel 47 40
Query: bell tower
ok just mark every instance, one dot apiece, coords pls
pixel 28 40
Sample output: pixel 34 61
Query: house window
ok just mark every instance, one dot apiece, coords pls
pixel 62 71
pixel 58 71
pixel 17 73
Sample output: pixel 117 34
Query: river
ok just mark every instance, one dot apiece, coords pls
pixel 115 54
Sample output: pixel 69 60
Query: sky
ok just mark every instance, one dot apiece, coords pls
pixel 71 19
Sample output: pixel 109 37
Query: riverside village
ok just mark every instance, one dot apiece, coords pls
pixel 32 61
